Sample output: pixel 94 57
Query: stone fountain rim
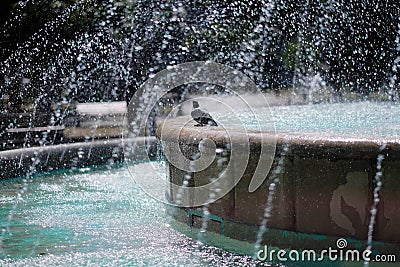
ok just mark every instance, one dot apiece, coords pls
pixel 16 162
pixel 336 145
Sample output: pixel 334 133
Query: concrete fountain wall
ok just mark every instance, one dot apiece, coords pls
pixel 325 190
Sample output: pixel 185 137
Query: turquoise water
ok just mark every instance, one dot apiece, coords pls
pixel 357 119
pixel 98 218
pixel 102 218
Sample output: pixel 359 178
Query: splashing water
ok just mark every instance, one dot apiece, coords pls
pixel 186 178
pixel 392 93
pixel 278 170
pixel 110 221
pixel 213 194
pixel 19 199
pixel 142 43
pixel 374 208
pixel 131 40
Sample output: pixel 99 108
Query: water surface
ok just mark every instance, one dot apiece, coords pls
pixel 99 218
pixel 361 119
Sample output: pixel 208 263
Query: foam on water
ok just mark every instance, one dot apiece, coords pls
pixel 99 218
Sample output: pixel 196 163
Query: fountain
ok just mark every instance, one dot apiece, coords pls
pixel 303 157
pixel 321 184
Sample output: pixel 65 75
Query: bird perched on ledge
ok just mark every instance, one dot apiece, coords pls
pixel 201 116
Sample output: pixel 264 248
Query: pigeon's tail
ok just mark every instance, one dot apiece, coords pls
pixel 212 123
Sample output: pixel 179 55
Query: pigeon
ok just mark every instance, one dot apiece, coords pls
pixel 201 116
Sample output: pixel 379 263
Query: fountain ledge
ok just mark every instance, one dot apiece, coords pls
pixel 17 162
pixel 302 143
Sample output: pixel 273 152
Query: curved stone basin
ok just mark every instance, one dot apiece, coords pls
pixel 325 190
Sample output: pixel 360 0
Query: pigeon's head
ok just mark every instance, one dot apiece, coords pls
pixel 195 104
